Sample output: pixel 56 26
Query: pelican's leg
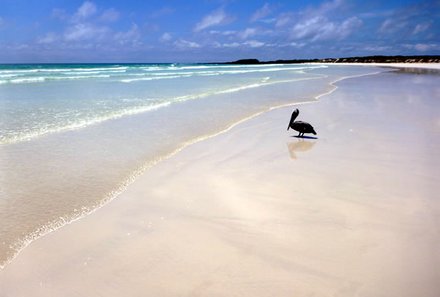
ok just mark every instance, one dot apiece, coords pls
pixel 299 134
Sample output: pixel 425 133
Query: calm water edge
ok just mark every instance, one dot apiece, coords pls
pixel 73 136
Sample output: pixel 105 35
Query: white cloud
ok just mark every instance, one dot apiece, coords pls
pixel 254 43
pixel 311 14
pixel 245 34
pixel 348 27
pixel 19 47
pixel 231 45
pixel 165 37
pixel 297 44
pixel 183 44
pixel 217 17
pixel 421 28
pixel 110 15
pixel 375 14
pixel 85 31
pixel 320 28
pixel 283 19
pixel 377 48
pixel 328 6
pixel 87 9
pixel 423 47
pixel 249 43
pixel 316 23
pixel 307 28
pixel 248 32
pixel 269 20
pixel 261 12
pixel 408 20
pixel 131 36
pixel 48 38
pixel 225 33
pixel 392 25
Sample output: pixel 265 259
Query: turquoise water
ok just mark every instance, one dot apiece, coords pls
pixel 42 99
pixel 72 137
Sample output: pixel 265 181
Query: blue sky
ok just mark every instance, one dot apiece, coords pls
pixel 210 31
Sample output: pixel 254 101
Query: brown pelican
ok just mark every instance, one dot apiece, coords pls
pixel 301 127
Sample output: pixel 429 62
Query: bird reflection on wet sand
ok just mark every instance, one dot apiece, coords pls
pixel 299 146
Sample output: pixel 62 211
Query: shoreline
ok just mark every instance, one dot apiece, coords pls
pixel 57 225
pixel 225 152
pixel 433 66
pixel 103 119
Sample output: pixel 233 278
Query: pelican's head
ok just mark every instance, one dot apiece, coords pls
pixel 293 117
pixel 295 114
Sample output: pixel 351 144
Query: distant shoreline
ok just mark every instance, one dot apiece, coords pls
pixel 365 59
pixel 415 68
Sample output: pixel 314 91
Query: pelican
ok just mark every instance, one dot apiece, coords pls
pixel 301 127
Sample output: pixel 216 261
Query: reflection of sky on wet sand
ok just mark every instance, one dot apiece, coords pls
pixel 400 106
pixel 410 70
pixel 300 145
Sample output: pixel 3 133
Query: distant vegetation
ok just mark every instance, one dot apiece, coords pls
pixel 366 59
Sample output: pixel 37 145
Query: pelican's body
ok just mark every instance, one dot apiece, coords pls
pixel 301 127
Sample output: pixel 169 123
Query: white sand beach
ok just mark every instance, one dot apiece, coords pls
pixel 256 211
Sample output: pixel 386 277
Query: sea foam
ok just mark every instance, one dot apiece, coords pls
pixel 74 139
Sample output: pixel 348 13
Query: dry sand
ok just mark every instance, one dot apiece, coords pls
pixel 257 212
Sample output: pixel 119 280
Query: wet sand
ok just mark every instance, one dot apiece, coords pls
pixel 431 66
pixel 257 211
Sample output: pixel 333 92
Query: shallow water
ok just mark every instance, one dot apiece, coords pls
pixel 73 136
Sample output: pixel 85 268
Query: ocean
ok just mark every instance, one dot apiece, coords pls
pixel 74 136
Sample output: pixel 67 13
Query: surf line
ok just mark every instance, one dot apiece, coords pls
pixel 112 195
